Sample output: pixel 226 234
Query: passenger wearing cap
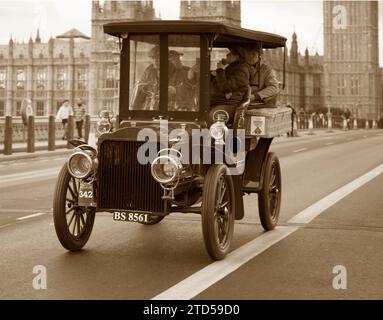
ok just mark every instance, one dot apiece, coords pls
pixel 263 81
pixel 146 95
pixel 180 91
pixel 231 80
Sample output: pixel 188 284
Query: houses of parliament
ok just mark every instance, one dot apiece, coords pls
pixel 73 65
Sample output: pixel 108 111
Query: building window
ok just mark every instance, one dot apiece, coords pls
pixel 2 108
pixel 341 85
pixel 61 78
pixel 18 108
pixel 40 108
pixel 82 79
pixel 3 78
pixel 111 77
pixel 354 85
pixel 20 79
pixel 41 79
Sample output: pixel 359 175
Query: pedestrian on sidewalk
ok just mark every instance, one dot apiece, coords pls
pixel 26 111
pixel 63 115
pixel 79 116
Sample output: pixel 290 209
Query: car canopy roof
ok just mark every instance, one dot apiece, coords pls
pixel 224 34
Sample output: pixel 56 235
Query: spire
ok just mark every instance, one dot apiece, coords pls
pixel 37 39
pixel 294 50
pixel 307 58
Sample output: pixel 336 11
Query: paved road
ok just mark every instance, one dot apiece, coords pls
pixel 131 261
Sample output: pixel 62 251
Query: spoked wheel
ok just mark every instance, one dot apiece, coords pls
pixel 152 220
pixel 218 211
pixel 73 223
pixel 269 198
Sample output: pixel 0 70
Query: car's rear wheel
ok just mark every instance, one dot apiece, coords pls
pixel 218 211
pixel 73 223
pixel 269 198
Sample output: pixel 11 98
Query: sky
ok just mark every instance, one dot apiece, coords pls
pixel 21 18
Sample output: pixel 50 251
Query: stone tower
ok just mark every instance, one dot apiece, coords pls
pixel 351 61
pixel 212 10
pixel 104 67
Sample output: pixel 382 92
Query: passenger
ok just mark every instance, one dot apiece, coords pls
pixel 146 92
pixel 179 90
pixel 231 79
pixel 230 82
pixel 263 81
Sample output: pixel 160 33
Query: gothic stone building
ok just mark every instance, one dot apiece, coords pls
pixel 71 66
pixel 46 73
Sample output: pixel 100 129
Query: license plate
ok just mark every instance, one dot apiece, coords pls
pixel 130 216
pixel 86 195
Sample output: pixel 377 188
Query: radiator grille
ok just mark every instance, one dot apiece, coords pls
pixel 124 183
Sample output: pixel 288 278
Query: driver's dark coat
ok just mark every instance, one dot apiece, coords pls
pixel 230 85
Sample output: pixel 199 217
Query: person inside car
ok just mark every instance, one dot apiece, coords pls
pixel 263 81
pixel 230 81
pixel 179 95
pixel 146 92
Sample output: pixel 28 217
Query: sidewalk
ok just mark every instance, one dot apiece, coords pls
pixel 19 150
pixel 41 146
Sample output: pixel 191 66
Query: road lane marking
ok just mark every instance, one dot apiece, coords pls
pixel 206 277
pixel 27 175
pixel 5 225
pixel 329 143
pixel 32 216
pixel 317 208
pixel 300 150
pixel 19 163
pixel 4 210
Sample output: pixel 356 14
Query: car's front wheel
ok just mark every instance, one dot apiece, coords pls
pixel 218 211
pixel 73 223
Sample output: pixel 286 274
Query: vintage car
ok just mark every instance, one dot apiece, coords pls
pixel 168 152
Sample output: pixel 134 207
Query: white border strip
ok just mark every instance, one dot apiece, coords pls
pixel 206 277
pixel 308 214
pixel 32 216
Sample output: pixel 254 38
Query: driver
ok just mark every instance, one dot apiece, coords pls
pixel 147 89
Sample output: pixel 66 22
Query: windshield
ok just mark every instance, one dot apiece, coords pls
pixel 183 74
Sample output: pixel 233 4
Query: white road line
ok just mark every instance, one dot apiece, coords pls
pixel 206 277
pixel 317 208
pixel 19 163
pixel 28 175
pixel 5 225
pixel 329 143
pixel 299 150
pixel 32 216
